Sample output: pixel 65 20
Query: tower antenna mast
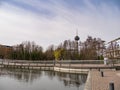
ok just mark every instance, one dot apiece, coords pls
pixel 77 32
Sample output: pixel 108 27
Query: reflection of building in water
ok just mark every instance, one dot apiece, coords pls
pixel 113 49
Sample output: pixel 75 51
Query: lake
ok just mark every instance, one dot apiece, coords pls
pixel 19 79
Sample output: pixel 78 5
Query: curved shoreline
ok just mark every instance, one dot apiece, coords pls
pixel 70 70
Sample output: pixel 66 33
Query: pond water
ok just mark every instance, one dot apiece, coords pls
pixel 16 79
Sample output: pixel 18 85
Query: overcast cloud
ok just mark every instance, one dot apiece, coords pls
pixel 52 21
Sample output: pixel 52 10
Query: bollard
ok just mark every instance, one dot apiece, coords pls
pixel 111 86
pixel 101 74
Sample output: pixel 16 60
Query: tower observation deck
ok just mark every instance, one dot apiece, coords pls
pixel 77 38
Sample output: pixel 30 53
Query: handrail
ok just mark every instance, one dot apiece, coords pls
pixel 67 63
pixel 62 61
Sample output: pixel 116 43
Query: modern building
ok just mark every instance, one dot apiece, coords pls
pixel 113 49
pixel 5 51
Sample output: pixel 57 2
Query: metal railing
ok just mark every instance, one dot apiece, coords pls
pixel 61 63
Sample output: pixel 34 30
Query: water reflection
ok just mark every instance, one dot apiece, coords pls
pixel 41 78
pixel 67 78
pixel 27 76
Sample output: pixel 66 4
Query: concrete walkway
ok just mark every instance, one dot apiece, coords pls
pixel 102 83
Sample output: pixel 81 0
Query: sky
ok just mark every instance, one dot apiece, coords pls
pixel 48 22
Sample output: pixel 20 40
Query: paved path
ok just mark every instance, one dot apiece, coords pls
pixel 102 83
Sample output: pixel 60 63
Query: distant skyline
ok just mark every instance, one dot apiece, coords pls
pixel 52 21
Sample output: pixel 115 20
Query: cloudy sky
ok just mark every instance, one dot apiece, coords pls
pixel 52 21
